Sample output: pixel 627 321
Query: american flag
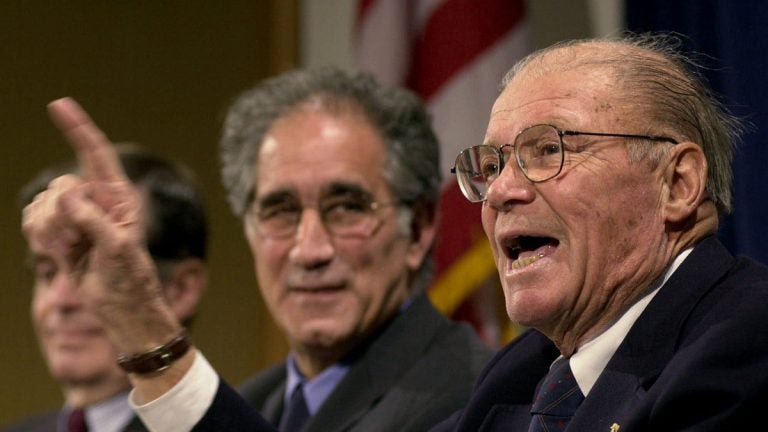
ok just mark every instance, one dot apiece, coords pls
pixel 453 53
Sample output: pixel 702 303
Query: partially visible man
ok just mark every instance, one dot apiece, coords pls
pixel 604 169
pixel 71 335
pixel 336 180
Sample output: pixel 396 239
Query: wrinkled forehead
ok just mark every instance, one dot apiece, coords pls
pixel 551 85
pixel 591 58
pixel 313 148
pixel 612 58
pixel 583 77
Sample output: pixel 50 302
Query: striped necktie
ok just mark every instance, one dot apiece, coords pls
pixel 557 399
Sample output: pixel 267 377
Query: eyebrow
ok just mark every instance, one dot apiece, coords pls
pixel 348 188
pixel 274 198
pixel 336 188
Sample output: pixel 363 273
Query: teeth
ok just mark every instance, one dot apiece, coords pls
pixel 524 262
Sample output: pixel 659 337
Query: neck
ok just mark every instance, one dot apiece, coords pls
pixel 702 223
pixel 311 360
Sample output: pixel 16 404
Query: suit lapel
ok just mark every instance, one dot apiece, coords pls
pixel 378 366
pixel 503 393
pixel 653 339
pixel 265 392
pixel 44 422
pixel 273 405
pixel 505 418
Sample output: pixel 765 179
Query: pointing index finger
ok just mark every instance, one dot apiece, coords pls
pixel 95 153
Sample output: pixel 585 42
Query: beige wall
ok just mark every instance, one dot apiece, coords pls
pixel 159 73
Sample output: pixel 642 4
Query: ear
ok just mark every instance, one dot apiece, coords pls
pixel 423 231
pixel 685 176
pixel 248 228
pixel 185 286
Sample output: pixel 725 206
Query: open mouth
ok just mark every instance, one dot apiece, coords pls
pixel 526 250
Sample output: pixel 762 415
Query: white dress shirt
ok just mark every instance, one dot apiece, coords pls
pixel 590 359
pixel 112 415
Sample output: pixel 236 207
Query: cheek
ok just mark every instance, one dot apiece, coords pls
pixel 633 209
pixel 269 260
pixel 39 308
pixel 619 203
pixel 378 270
pixel 269 285
pixel 365 267
pixel 488 220
pixel 621 226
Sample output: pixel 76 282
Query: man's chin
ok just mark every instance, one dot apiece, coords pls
pixel 321 337
pixel 77 368
pixel 75 376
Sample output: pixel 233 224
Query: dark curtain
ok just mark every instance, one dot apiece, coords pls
pixel 730 37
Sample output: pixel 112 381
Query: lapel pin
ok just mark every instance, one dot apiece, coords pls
pixel 615 427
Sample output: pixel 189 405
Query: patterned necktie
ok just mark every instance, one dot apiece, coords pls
pixel 295 413
pixel 556 400
pixel 76 421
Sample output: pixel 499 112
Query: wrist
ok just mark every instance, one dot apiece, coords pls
pixel 156 359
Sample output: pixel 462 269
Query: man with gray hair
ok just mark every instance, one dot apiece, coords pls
pixel 336 181
pixel 603 172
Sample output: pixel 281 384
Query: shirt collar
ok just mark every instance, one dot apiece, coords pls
pixel 590 359
pixel 111 415
pixel 316 390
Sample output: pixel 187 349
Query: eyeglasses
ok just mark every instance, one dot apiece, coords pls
pixel 346 215
pixel 539 152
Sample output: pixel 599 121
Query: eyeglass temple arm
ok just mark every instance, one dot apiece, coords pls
pixel 648 137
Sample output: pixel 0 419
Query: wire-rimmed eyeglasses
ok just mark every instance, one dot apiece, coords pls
pixel 344 215
pixel 538 151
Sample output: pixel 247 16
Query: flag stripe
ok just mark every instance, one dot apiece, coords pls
pixel 459 227
pixel 461 108
pixel 456 33
pixel 363 7
pixel 383 39
pixel 452 53
pixel 461 279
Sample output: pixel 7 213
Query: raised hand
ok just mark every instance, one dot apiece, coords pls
pixel 95 222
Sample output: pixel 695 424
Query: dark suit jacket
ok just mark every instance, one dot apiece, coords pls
pixel 695 360
pixel 416 372
pixel 46 422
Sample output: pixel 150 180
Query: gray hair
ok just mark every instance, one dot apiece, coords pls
pixel 412 169
pixel 665 85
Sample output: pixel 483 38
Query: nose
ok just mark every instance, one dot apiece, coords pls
pixel 64 291
pixel 313 245
pixel 510 188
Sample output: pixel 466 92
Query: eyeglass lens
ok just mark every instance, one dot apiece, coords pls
pixel 538 152
pixel 344 215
